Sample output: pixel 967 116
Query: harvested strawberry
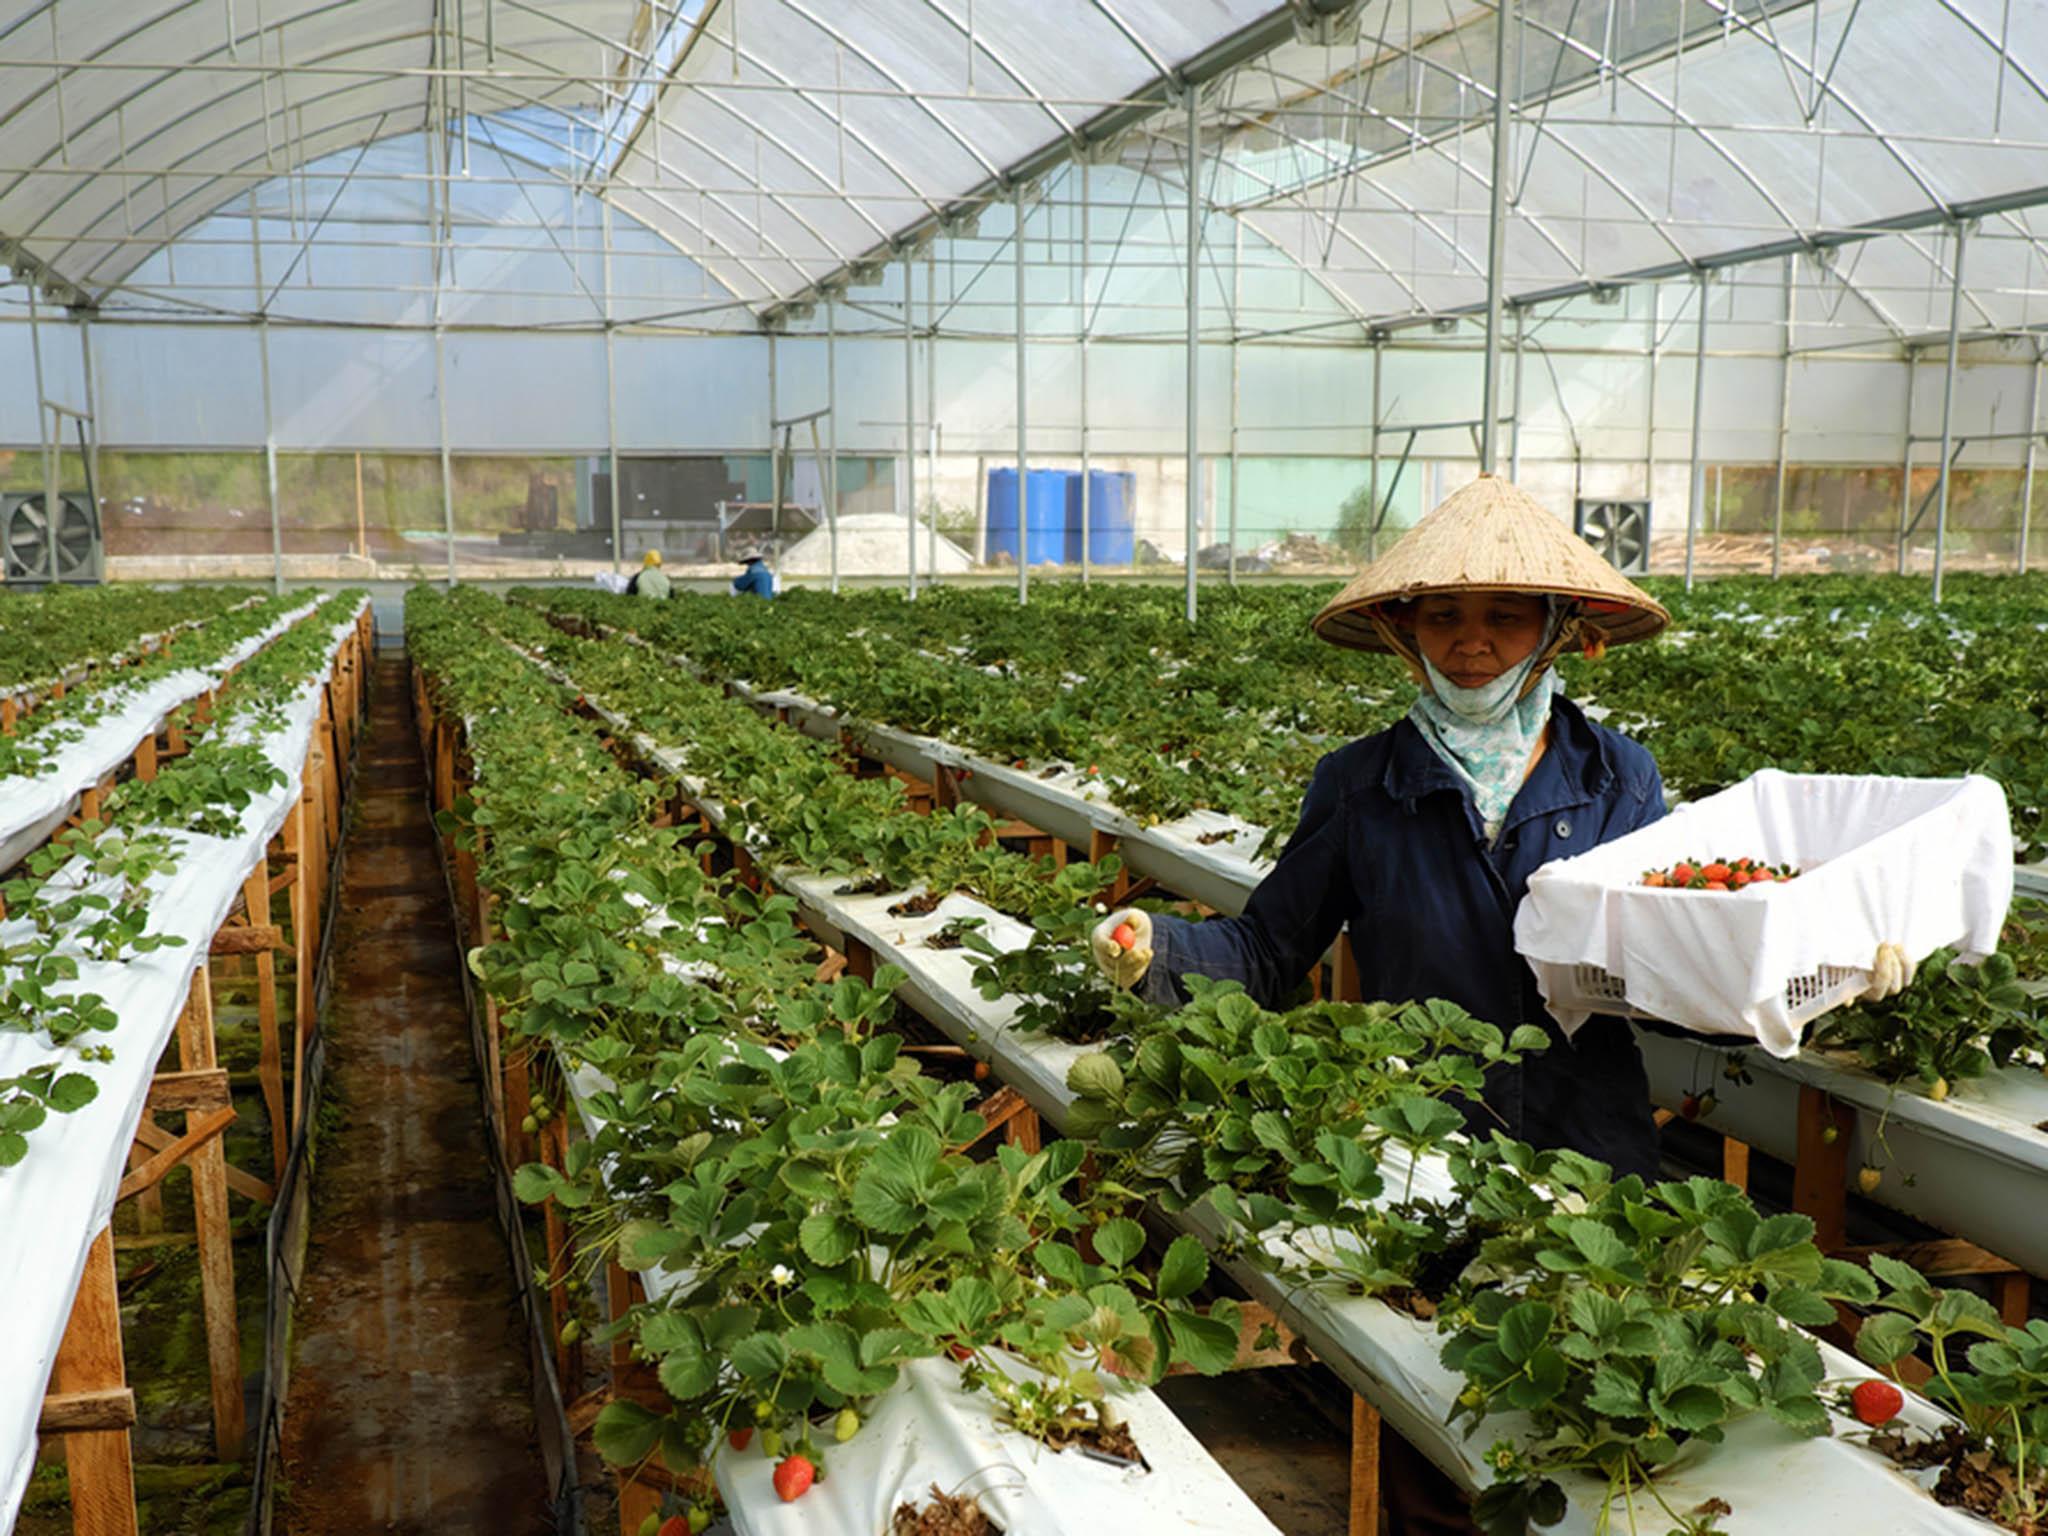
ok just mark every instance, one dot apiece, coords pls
pixel 793 1478
pixel 1125 936
pixel 1715 885
pixel 1682 873
pixel 1876 1402
pixel 1716 873
pixel 740 1439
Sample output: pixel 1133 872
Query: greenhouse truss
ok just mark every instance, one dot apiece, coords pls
pixel 363 226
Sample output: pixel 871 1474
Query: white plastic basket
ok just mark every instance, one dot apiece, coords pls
pixel 1919 863
pixel 1589 989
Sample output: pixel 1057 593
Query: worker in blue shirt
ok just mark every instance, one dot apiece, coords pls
pixel 756 580
pixel 1421 839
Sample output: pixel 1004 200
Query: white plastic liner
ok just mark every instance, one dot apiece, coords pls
pixel 926 1430
pixel 1920 863
pixel 33 807
pixel 1774 1478
pixel 63 1192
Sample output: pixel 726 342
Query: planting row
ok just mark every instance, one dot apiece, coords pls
pixel 1618 1323
pixel 791 1187
pixel 55 635
pixel 105 932
pixel 1825 675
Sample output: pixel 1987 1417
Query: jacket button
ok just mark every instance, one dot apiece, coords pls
pixel 1563 828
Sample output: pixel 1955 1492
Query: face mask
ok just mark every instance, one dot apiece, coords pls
pixel 1489 703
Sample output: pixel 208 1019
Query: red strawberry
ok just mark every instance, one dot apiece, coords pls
pixel 1739 879
pixel 675 1525
pixel 1682 873
pixel 793 1478
pixel 740 1439
pixel 1876 1402
pixel 1126 936
pixel 1689 1107
pixel 1717 874
pixel 1717 885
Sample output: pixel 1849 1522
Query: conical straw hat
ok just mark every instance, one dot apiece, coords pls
pixel 1491 536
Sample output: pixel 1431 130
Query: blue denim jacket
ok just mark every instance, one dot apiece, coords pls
pixel 1390 844
pixel 756 579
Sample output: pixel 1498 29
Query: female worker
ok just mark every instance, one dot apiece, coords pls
pixel 1422 838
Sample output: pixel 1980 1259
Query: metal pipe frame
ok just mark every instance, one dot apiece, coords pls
pixel 1194 357
pixel 1698 493
pixel 1023 404
pixel 910 422
pixel 1948 402
pixel 1784 418
pixel 1496 232
pixel 2033 443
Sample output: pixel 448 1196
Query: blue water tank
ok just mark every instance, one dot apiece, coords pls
pixel 1000 535
pixel 1045 516
pixel 1111 518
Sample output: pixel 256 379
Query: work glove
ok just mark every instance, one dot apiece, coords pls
pixel 1124 967
pixel 1890 973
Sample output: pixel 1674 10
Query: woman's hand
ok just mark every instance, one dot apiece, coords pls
pixel 1122 944
pixel 1890 973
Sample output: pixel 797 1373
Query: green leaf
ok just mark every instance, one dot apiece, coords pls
pixel 828 1238
pixel 1119 1241
pixel 72 1091
pixel 1885 1337
pixel 1209 1344
pixel 1615 1393
pixel 625 1432
pixel 686 1370
pixel 1523 1329
pixel 1184 1268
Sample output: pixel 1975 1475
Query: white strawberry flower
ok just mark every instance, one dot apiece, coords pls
pixel 782 1274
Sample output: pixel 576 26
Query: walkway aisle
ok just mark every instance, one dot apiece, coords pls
pixel 409 1409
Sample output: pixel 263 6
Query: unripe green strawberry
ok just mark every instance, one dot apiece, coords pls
pixel 846 1426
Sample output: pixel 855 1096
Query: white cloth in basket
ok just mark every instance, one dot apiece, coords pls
pixel 1919 862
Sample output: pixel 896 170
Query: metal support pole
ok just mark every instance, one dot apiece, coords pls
pixel 1087 487
pixel 1515 410
pixel 1906 472
pixel 1023 406
pixel 1194 374
pixel 269 422
pixel 910 422
pixel 1698 493
pixel 832 431
pixel 1372 521
pixel 2033 442
pixel 611 393
pixel 447 466
pixel 931 410
pixel 270 458
pixel 92 441
pixel 1784 417
pixel 47 434
pixel 1948 401
pixel 1496 232
pixel 1236 297
pixel 774 442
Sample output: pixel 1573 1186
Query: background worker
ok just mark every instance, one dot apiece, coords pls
pixel 756 580
pixel 650 580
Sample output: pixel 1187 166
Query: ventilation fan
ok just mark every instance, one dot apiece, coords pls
pixel 26 544
pixel 1619 530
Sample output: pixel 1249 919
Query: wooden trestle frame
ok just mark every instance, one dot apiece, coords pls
pixel 89 1402
pixel 1004 1111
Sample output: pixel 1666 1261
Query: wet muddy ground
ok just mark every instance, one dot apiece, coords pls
pixel 410 1407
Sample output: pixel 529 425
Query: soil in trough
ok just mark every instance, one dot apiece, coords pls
pixel 945 1515
pixel 410 1403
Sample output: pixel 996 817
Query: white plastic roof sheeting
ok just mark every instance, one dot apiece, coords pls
pixel 778 143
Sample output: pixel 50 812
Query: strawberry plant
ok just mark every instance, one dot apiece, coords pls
pixel 1995 1459
pixel 1626 1320
pixel 1954 1022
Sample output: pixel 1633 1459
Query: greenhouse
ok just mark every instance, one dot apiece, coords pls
pixel 946 767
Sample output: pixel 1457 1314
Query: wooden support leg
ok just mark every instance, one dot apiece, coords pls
pixel 89 1361
pixel 300 902
pixel 1365 1468
pixel 1023 1131
pixel 1735 1162
pixel 216 1239
pixel 860 960
pixel 270 1065
pixel 149 1205
pixel 554 1139
pixel 1100 845
pixel 1348 987
pixel 1821 1171
pixel 2015 1299
pixel 145 759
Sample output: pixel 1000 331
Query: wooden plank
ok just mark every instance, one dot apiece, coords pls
pixel 1820 1171
pixel 99 1461
pixel 196 1052
pixel 1936 1258
pixel 1365 1468
pixel 203 1089
pixel 247 940
pixel 154 1138
pixel 196 1134
pixel 1735 1162
pixel 270 1061
pixel 67 1413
